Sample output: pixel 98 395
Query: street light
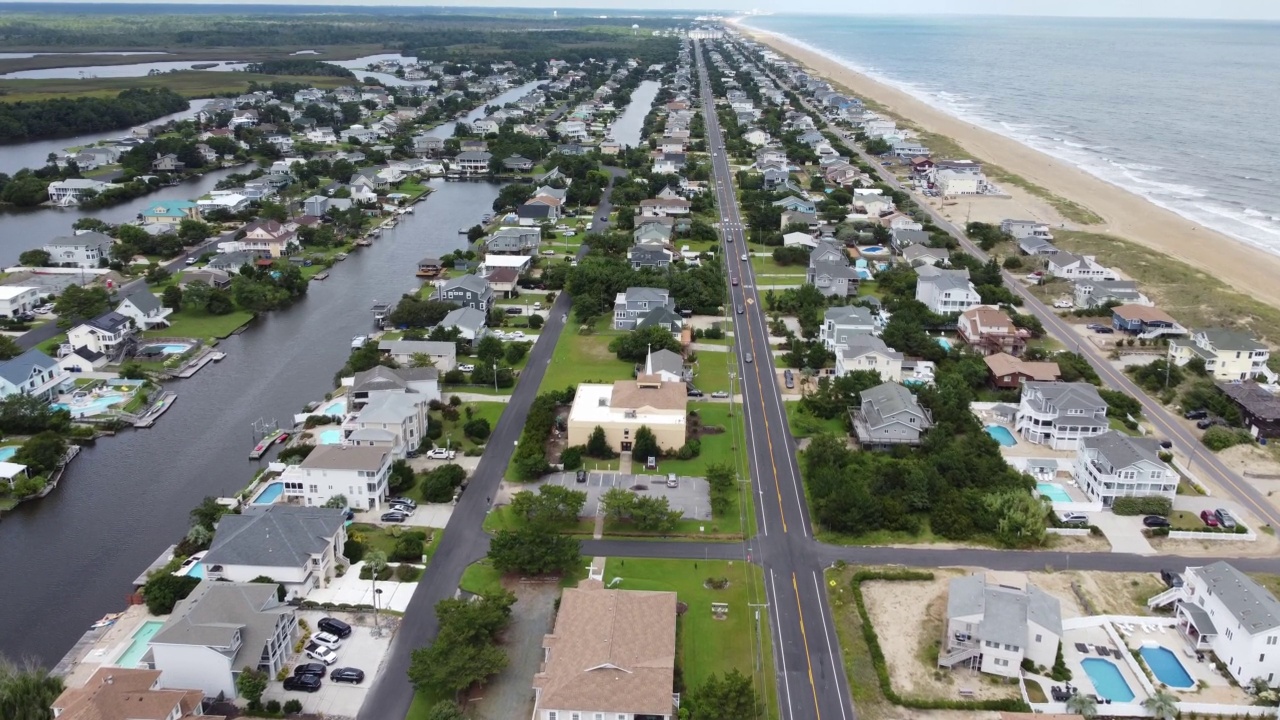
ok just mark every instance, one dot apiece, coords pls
pixel 377 629
pixel 495 377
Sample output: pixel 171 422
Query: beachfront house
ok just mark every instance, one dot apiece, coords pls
pixel 1223 610
pixel 1020 229
pixel 1113 465
pixel 1077 267
pixel 298 547
pixel 988 330
pixel 359 473
pixel 889 415
pixel 622 408
pixel 1259 408
pixel 946 291
pixel 1096 293
pixel 1008 372
pixel 1060 415
pixel 220 629
pixel 995 620
pixel 1227 354
pixel 82 250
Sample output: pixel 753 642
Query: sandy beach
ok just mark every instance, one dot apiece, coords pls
pixel 1249 270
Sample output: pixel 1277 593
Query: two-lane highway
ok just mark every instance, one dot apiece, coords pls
pixel 811 680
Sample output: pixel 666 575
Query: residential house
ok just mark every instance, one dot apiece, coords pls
pixel 393 420
pixel 31 373
pixel 862 351
pixel 111 334
pixel 167 163
pixel 774 177
pixel 1259 408
pixel 1077 267
pixel 622 408
pixel 144 309
pixel 443 355
pixel 998 620
pixel 791 217
pixel 232 202
pixel 474 162
pixel 518 163
pixel 73 190
pixel 792 239
pixel 427 144
pixel 268 238
pixel 514 241
pixel 664 317
pixel 662 207
pixel 298 547
pixel 946 291
pixel 81 250
pixel 889 415
pixel 209 276
pixel 1145 321
pixel 833 279
pixel 1009 372
pixel 791 202
pixel 916 255
pixel 118 693
pixel 666 365
pixel 231 262
pixel 1227 354
pixel 17 300
pixel 646 255
pixel 316 205
pixel 988 330
pixel 170 212
pixel 610 655
pixel 668 163
pixel 631 306
pixel 951 183
pixel 419 381
pixel 220 629
pixel 840 324
pixel 1096 293
pixel 1113 465
pixel 503 280
pixel 1032 245
pixel 468 291
pixel 903 239
pixel 652 232
pixel 756 137
pixel 532 213
pixel 1019 229
pixel 470 323
pixel 359 473
pixel 322 136
pixel 1060 415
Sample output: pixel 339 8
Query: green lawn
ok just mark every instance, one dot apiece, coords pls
pixel 805 425
pixel 480 578
pixel 453 434
pixel 768 266
pixel 716 449
pixel 199 324
pixel 376 537
pixel 711 372
pixel 585 359
pixel 447 390
pixel 706 645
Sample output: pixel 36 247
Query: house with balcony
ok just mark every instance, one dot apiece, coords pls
pixel 1008 372
pixel 889 415
pixel 946 291
pixel 268 238
pixel 840 324
pixel 1020 229
pixel 359 473
pixel 468 291
pixel 988 330
pixel 1060 415
pixel 1113 465
pixel 1227 354
pixel 833 279
pixel 1077 267
pixel 1145 321
pixel 630 307
pixel 83 250
pixel 1097 293
pixel 144 309
pixel 110 334
pixel 514 241
pixel 298 547
pixel 116 693
pixel 391 419
pixel 868 352
pixel 31 373
pixel 18 300
pixel 995 620
pixel 220 629
pixel 170 212
pixel 1224 611
pixel 475 162
pixel 73 190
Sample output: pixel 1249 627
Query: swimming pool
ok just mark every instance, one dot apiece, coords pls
pixel 141 639
pixel 269 494
pixel 196 571
pixel 92 407
pixel 1107 680
pixel 337 408
pixel 1166 666
pixel 874 250
pixel 167 349
pixel 945 343
pixel 1001 435
pixel 7 452
pixel 332 436
pixel 1053 491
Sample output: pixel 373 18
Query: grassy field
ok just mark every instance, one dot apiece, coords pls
pixel 453 435
pixel 716 449
pixel 1193 297
pixel 190 83
pixel 197 324
pixel 706 645
pixel 376 537
pixel 711 372
pixel 769 266
pixel 584 359
pixel 805 425
pixel 864 684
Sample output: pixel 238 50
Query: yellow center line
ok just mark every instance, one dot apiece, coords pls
pixel 805 636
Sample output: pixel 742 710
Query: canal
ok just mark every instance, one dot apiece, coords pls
pixel 626 129
pixel 70 557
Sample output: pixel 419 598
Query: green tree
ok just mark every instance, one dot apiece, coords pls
pixel 78 303
pixel 533 551
pixel 1020 518
pixel 439 484
pixel 172 297
pixel 1083 705
pixel 9 348
pixel 337 502
pixel 730 698
pixel 1163 704
pixel 598 445
pixel 421 360
pixel 27 691
pixel 23 414
pixel 401 478
pixel 250 684
pixel 208 512
pixel 219 302
pixel 42 453
pixel 720 477
pixel 617 503
pixel 654 514
pixel 464 652
pixel 191 232
pixel 477 429
pixel 645 444
pixel 164 589
pixel 35 258
pixel 551 506
pixel 445 710
pixel 636 345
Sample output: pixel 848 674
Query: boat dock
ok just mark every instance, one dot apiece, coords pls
pixel 194 366
pixel 265 443
pixel 323 275
pixel 159 408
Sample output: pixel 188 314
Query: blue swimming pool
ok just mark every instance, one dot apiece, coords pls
pixel 7 452
pixel 1166 666
pixel 945 343
pixel 168 349
pixel 873 250
pixel 1053 491
pixel 1107 680
pixel 337 408
pixel 269 494
pixel 1001 435
pixel 141 640
pixel 91 406
pixel 332 436
pixel 196 571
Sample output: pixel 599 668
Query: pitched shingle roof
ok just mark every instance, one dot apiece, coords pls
pixel 274 535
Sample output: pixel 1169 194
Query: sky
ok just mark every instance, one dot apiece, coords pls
pixel 1223 9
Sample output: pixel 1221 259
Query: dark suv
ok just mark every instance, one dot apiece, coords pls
pixel 355 676
pixel 1195 414
pixel 316 669
pixel 304 683
pixel 334 626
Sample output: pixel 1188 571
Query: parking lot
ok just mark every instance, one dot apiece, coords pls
pixel 692 497
pixel 360 650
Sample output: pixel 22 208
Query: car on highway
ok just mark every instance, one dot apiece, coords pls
pixel 735 282
pixel 1155 521
pixel 1225 518
pixel 303 683
pixel 1196 414
pixel 441 454
pixel 720 394
pixel 355 676
pixel 394 517
pixel 748 357
pixel 744 257
pixel 192 260
pixel 1209 518
pixel 739 309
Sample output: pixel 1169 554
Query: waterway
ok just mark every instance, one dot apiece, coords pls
pixel 446 130
pixel 70 557
pixel 122 71
pixel 626 129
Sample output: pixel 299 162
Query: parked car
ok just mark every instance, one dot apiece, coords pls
pixel 408 502
pixel 513 311
pixel 321 653
pixel 672 480
pixel 192 260
pixel 569 233
pixel 1105 330
pixel 394 517
pixel 720 394
pixel 467 367
pixel 334 626
pixel 1171 578
pixel 580 476
pixel 1093 326
pixel 1063 304
pixel 441 454
pixel 1155 521
pixel 691 391
pixel 537 305
pixel 1207 423
pixel 303 683
pixel 411 453
pixel 1035 276
pixel 789 378
pixel 1209 518
pixel 1196 414
pixel 1224 518
pixel 44 309
pixel 402 509
pixel 355 676
pixel 517 335
pixel 1075 518
pixel 328 640
pixel 316 669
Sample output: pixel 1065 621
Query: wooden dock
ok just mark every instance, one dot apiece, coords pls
pixel 265 444
pixel 323 275
pixel 194 367
pixel 157 409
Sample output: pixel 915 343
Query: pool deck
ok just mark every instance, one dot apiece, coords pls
pixel 101 646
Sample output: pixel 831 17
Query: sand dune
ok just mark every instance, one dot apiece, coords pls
pixel 1247 269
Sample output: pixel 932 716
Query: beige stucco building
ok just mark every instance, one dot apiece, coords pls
pixel 621 408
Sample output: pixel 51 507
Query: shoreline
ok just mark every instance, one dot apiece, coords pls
pixel 1128 216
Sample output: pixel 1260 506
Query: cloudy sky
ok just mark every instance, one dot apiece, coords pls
pixel 1231 9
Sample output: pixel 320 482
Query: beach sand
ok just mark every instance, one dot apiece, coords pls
pixel 1249 270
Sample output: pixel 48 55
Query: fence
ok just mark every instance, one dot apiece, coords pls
pixel 1219 536
pixel 1068 531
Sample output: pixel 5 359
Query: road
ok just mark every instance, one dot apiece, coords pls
pixel 810 677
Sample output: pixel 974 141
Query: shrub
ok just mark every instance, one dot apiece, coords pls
pixel 408 549
pixel 535 322
pixel 571 458
pixel 383 574
pixel 1148 505
pixel 407 573
pixel 293 707
pixel 353 550
pixel 477 429
pixel 1219 438
pixel 273 706
pixel 690 450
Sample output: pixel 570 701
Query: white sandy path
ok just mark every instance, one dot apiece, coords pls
pixel 1126 215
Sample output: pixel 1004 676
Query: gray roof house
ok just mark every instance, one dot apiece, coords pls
pixel 635 303
pixel 514 241
pixel 667 365
pixel 903 239
pixel 1096 293
pixel 468 321
pixel 833 279
pixel 219 629
pixel 889 415
pixel 32 373
pixel 1113 465
pixel 468 291
pixel 995 620
pixel 423 381
pixel 443 354
pixel 298 547
pixel 144 309
pixel 649 256
pixel 925 255
pixel 84 250
pixel 840 323
pixel 1060 415
pixel 663 316
pixel 1223 610
pixel 791 202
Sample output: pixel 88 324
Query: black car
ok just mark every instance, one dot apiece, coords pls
pixel 334 626
pixel 303 683
pixel 1104 330
pixel 1155 521
pixel 581 476
pixel 693 392
pixel 1172 578
pixel 394 517
pixel 1207 423
pixel 316 669
pixel 1195 414
pixel 355 676
pixel 514 311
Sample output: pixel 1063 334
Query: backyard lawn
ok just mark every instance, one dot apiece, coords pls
pixel 585 359
pixel 375 537
pixel 716 449
pixel 199 324
pixel 711 373
pixel 768 266
pixel 705 645
pixel 804 425
pixel 454 437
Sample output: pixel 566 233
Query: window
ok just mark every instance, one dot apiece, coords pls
pixel 314 488
pixel 1038 638
pixel 575 716
pixel 1271 640
pixel 553 715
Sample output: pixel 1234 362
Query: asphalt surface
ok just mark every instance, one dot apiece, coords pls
pixel 810 678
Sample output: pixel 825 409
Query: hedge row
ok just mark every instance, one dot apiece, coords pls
pixel 1145 505
pixel 882 668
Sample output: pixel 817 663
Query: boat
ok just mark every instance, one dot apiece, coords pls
pixel 359 341
pixel 380 313
pixel 462 231
pixel 283 437
pixel 409 209
pixel 364 242
pixel 322 275
pixel 263 445
pixel 340 257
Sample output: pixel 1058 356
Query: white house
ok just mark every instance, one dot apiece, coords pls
pixel 951 183
pixel 144 309
pixel 841 323
pixel 1113 465
pixel 390 419
pixel 868 352
pixel 359 473
pixel 298 547
pixel 1060 415
pixel 32 373
pixel 72 191
pixel 1078 267
pixel 106 334
pixel 995 620
pixel 16 300
pixel 82 250
pixel 443 355
pixel 946 291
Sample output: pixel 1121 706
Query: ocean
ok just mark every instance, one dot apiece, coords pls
pixel 1179 112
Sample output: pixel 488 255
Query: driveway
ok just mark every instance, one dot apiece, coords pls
pixel 361 650
pixel 692 498
pixel 1124 532
pixel 1194 504
pixel 350 589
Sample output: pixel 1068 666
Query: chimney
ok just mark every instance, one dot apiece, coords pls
pixel 111 680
